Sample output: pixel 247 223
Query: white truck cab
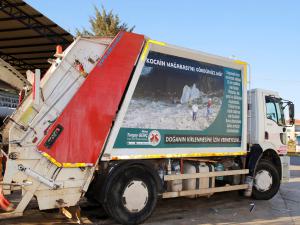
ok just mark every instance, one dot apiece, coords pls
pixel 267 134
pixel 266 120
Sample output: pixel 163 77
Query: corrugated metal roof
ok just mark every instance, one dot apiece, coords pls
pixel 27 37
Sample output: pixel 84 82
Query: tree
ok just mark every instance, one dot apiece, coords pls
pixel 104 24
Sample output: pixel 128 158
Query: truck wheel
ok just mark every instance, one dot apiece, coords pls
pixel 132 196
pixel 97 208
pixel 266 181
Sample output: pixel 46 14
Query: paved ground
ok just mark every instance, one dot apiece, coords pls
pixel 222 208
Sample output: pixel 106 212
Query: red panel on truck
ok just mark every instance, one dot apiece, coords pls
pixel 79 133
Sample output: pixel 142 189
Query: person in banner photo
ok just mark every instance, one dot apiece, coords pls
pixel 209 108
pixel 195 110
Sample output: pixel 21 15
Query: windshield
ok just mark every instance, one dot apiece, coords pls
pixel 274 110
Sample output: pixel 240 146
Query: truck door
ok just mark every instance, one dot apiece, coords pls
pixel 275 125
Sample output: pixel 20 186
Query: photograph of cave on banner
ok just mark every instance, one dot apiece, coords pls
pixel 173 94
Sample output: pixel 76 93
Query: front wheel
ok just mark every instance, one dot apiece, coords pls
pixel 266 181
pixel 132 196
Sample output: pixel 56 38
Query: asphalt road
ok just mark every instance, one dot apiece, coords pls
pixel 222 208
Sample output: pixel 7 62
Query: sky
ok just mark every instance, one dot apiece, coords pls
pixel 266 34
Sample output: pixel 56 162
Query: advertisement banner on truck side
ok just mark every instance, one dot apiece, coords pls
pixel 182 103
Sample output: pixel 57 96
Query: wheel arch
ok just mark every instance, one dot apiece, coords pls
pixel 272 156
pixel 257 153
pixel 104 181
pixel 253 157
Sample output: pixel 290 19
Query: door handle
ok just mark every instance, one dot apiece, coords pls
pixel 281 138
pixel 266 135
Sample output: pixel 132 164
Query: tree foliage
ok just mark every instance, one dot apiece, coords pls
pixel 104 24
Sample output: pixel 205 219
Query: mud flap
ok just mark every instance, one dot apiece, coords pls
pixel 285 164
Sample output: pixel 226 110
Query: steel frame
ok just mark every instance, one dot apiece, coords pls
pixel 18 63
pixel 24 28
pixel 30 22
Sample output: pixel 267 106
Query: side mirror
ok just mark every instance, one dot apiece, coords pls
pixel 291 113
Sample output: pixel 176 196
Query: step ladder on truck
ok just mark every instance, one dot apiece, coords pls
pixel 128 120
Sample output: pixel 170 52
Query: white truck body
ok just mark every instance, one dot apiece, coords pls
pixel 154 123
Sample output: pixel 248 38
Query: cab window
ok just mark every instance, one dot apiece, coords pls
pixel 274 110
pixel 280 114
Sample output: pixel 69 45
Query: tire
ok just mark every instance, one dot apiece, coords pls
pixel 95 209
pixel 266 181
pixel 125 209
pixel 94 203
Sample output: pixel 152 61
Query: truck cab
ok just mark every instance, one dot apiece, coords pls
pixel 266 120
pixel 267 124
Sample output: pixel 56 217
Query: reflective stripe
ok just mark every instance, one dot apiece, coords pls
pixel 51 159
pixel 75 165
pixel 147 46
pixel 66 165
pixel 158 156
pixel 245 69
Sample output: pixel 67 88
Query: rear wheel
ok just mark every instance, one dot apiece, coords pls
pixel 266 181
pixel 93 202
pixel 132 196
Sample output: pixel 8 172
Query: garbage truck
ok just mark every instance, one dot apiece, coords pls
pixel 128 120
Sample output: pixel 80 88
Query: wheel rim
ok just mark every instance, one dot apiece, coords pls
pixel 135 196
pixel 263 180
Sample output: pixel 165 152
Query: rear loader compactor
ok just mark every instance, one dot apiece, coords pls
pixel 127 121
